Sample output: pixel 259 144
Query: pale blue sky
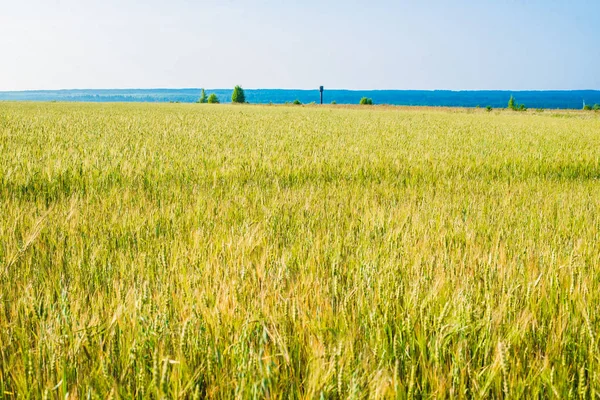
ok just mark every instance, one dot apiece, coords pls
pixel 353 44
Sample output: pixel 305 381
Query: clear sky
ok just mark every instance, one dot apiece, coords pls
pixel 353 44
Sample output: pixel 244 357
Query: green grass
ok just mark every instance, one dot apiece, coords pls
pixel 190 251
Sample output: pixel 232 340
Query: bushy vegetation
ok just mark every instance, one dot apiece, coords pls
pixel 513 105
pixel 238 95
pixel 213 99
pixel 159 251
pixel 589 107
pixel 366 101
pixel 297 102
pixel 489 108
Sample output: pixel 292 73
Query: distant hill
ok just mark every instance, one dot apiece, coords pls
pixel 532 99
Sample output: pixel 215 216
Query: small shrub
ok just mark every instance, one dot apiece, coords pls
pixel 297 102
pixel 366 101
pixel 334 102
pixel 489 108
pixel 522 107
pixel 596 107
pixel 587 107
pixel 213 99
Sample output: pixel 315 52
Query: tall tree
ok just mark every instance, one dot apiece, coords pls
pixel 203 98
pixel 511 103
pixel 238 95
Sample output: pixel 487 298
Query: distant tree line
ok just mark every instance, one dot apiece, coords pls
pixel 238 96
pixel 513 105
pixel 589 107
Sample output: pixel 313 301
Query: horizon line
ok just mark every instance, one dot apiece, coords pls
pixel 304 89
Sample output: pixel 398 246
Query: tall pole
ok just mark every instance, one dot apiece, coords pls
pixel 321 90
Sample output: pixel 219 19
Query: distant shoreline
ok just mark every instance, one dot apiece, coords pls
pixel 358 107
pixel 548 99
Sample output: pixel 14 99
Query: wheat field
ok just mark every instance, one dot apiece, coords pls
pixel 170 251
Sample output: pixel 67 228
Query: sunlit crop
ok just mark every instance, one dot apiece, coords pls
pixel 194 251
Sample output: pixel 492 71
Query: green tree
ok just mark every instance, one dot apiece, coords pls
pixel 488 108
pixel 238 95
pixel 587 107
pixel 297 102
pixel 213 99
pixel 512 104
pixel 366 101
pixel 203 99
pixel 334 102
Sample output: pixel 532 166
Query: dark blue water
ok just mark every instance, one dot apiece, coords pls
pixel 494 98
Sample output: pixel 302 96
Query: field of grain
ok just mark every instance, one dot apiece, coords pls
pixel 192 251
